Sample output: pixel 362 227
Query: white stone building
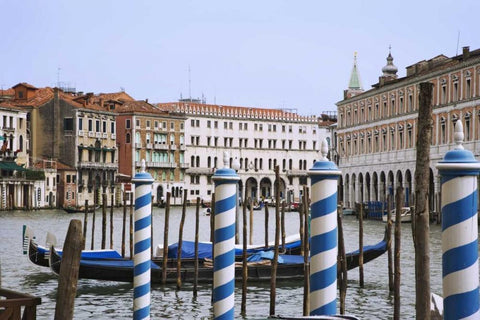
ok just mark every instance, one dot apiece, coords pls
pixel 259 138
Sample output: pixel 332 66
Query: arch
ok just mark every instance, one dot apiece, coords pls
pixel 382 187
pixel 360 187
pixel 391 183
pixel 367 187
pixel 375 186
pixel 340 190
pixel 347 191
pixel 431 191
pixel 353 194
pixel 408 188
pixel 251 188
pixel 265 188
pixel 160 194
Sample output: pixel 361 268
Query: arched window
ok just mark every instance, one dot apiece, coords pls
pixel 20 143
pixel 209 162
pixel 127 138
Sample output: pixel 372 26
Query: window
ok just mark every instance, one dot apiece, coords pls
pixel 68 124
pixel 127 138
pixel 468 89
pixel 80 124
pixel 410 103
pixel 443 133
pixel 148 124
pixel 443 97
pixel 215 124
pixel 172 125
pixel 97 126
pixel 455 91
pixel 127 124
pixel 112 127
pixel 137 123
pixel 68 178
pixel 104 126
pixel 225 125
pixel 90 125
pixel 209 124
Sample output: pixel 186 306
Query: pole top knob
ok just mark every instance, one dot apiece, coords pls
pixel 458 135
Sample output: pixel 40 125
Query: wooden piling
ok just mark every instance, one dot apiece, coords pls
pixel 243 308
pixel 165 240
pixel 301 228
pixel 422 227
pixel 195 263
pixel 398 232
pixel 251 221
pixel 306 263
pixel 92 245
pixel 180 240
pixel 273 279
pixel 131 225
pixel 104 220
pixel 389 243
pixel 283 226
pixel 68 277
pixel 151 228
pixel 212 219
pixel 124 222
pixel 266 226
pixel 341 261
pixel 360 244
pixel 85 220
pixel 111 221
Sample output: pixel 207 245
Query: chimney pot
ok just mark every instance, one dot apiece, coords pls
pixel 466 52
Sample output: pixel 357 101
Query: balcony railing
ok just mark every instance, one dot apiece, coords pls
pixel 184 165
pixel 149 146
pixel 160 146
pixel 91 134
pixel 138 145
pixel 105 135
pixel 80 133
pixel 96 165
pixel 157 164
pixel 113 136
pixel 98 134
pixel 173 147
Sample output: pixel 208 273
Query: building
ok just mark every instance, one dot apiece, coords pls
pixel 259 139
pixel 16 189
pixel 74 129
pixel 377 128
pixel 158 136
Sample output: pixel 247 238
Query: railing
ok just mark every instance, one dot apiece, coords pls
pixel 91 134
pixel 98 134
pixel 173 147
pixel 105 135
pixel 157 164
pixel 114 136
pixel 160 146
pixel 149 146
pixel 11 307
pixel 184 165
pixel 80 133
pixel 138 145
pixel 97 165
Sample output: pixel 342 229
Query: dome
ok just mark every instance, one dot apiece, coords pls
pixel 390 69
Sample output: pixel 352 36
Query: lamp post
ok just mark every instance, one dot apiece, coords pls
pixel 236 167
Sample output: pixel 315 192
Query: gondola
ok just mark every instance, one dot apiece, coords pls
pixel 290 267
pixel 39 254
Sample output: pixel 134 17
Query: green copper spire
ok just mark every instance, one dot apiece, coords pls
pixel 354 83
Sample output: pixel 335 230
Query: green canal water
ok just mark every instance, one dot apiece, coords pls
pixel 113 300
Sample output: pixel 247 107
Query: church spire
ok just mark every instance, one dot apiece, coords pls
pixel 354 85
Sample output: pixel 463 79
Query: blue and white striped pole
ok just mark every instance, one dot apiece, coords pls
pixel 323 236
pixel 226 180
pixel 459 171
pixel 142 243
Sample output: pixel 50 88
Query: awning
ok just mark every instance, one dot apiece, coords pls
pixel 10 166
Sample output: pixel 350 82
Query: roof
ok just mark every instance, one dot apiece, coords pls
pixel 24 84
pixel 139 106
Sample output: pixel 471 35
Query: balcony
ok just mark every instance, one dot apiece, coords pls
pixel 160 146
pixel 138 145
pixel 149 146
pixel 296 173
pixel 7 128
pixel 105 135
pixel 184 165
pixel 182 147
pixel 98 134
pixel 113 136
pixel 81 133
pixel 91 134
pixel 168 165
pixel 96 165
pixel 173 147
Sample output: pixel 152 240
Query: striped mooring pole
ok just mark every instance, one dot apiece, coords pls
pixel 458 171
pixel 323 236
pixel 225 180
pixel 142 243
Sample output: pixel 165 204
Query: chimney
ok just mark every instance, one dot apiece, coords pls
pixel 146 100
pixel 101 102
pixel 466 52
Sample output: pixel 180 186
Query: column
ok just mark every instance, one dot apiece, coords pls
pixel 225 180
pixel 323 236
pixel 459 171
pixel 142 243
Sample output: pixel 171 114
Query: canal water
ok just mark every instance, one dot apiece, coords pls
pixel 113 300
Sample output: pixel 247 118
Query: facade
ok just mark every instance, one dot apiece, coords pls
pixel 156 135
pixel 258 138
pixel 74 129
pixel 15 189
pixel 377 128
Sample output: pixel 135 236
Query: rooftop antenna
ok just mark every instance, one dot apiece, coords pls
pixel 58 76
pixel 458 41
pixel 189 84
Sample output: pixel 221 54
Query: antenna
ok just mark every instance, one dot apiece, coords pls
pixel 189 84
pixel 58 76
pixel 458 41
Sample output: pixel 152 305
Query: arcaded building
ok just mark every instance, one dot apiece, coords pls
pixel 377 128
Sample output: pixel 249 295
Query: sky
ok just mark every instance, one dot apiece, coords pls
pixel 268 54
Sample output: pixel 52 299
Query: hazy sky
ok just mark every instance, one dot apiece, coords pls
pixel 273 54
